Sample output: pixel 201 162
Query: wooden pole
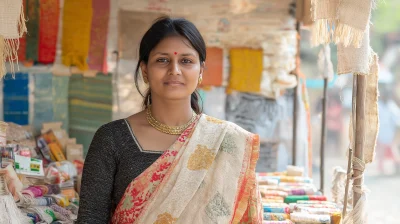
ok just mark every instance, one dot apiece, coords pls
pixel 352 144
pixel 360 136
pixel 295 95
pixel 323 135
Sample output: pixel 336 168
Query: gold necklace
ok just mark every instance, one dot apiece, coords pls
pixel 171 130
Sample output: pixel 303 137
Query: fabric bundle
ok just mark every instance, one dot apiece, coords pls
pixel 9 212
pixel 77 21
pixel 275 216
pixel 279 60
pixel 98 37
pixel 12 27
pixel 48 30
pixel 278 222
pixel 309 218
pixel 295 198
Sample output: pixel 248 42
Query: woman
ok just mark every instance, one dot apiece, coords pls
pixel 170 163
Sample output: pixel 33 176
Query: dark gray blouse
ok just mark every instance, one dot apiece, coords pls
pixel 114 159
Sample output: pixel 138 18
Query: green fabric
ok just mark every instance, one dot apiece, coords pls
pixel 84 120
pixel 294 198
pixel 60 100
pixel 32 24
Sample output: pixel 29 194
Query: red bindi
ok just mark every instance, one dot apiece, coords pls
pixel 175 53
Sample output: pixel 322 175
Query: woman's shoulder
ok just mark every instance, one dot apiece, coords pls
pixel 232 128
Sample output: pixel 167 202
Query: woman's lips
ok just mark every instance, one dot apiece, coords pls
pixel 173 83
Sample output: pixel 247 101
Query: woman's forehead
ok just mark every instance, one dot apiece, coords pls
pixel 173 44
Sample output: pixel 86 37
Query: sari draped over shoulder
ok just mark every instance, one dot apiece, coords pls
pixel 206 176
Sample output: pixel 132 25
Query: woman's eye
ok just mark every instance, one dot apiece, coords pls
pixel 186 61
pixel 162 60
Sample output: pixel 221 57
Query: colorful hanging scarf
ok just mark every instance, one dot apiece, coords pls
pixel 32 24
pixel 77 20
pixel 206 176
pixel 48 29
pixel 12 27
pixel 98 35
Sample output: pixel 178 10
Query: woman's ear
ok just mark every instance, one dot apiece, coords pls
pixel 143 68
pixel 202 67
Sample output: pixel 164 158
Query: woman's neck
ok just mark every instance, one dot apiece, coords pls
pixel 172 113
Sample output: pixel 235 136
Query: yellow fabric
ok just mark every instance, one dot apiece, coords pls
pixel 77 20
pixel 246 70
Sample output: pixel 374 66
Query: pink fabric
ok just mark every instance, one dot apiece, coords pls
pixel 98 35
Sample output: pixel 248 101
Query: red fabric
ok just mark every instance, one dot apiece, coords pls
pixel 98 35
pixel 48 30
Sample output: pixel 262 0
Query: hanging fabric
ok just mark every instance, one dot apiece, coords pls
pixel 48 30
pixel 343 21
pixel 213 72
pixel 16 98
pixel 32 24
pixel 371 112
pixel 77 21
pixel 12 27
pixel 131 28
pixel 43 103
pixel 354 60
pixel 60 99
pixel 98 35
pixel 246 70
pixel 90 105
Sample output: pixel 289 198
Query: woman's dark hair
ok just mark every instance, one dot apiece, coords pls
pixel 166 27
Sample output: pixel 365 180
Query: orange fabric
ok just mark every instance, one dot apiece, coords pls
pixel 214 67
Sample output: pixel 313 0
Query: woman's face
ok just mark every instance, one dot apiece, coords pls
pixel 173 69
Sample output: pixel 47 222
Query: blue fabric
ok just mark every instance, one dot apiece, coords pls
pixel 16 98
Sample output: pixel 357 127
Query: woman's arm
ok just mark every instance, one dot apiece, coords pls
pixel 98 179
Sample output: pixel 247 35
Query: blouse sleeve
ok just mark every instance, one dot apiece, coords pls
pixel 98 179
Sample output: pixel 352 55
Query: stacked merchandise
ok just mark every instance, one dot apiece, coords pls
pixel 39 177
pixel 279 60
pixel 288 197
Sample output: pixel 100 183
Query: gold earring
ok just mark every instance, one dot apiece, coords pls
pixel 145 80
pixel 200 79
